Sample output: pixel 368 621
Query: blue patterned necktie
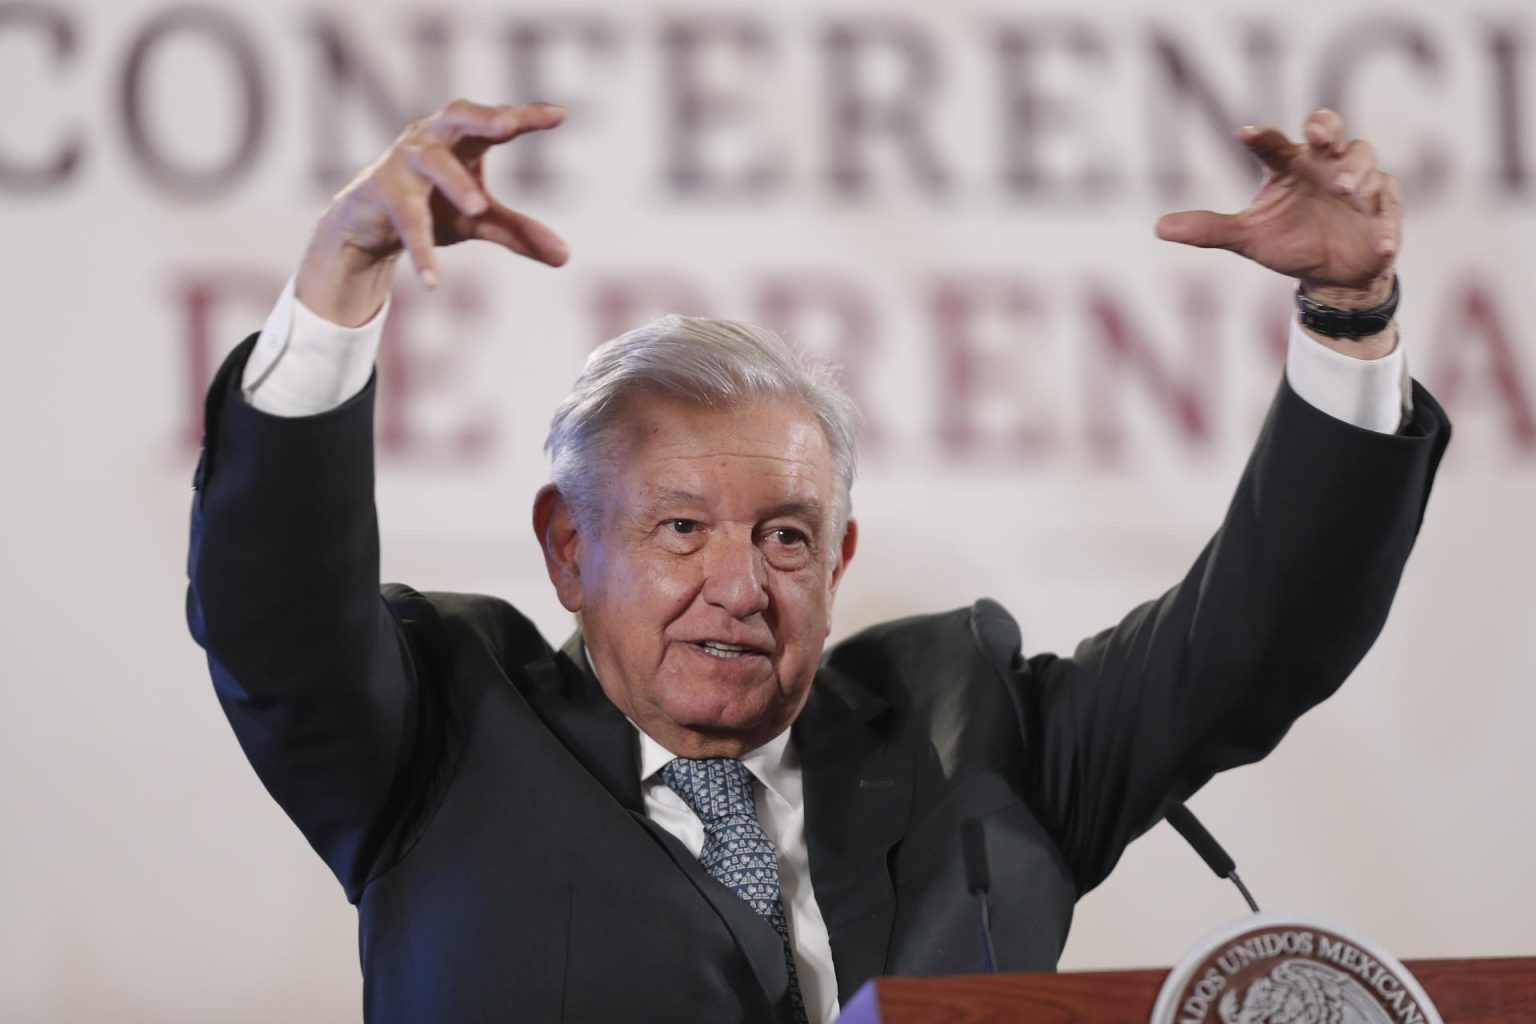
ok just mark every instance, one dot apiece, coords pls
pixel 737 852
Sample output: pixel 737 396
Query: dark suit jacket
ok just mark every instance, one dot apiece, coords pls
pixel 477 795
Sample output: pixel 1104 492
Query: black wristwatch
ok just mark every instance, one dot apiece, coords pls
pixel 1346 323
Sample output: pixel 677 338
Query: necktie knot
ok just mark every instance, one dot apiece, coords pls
pixel 715 788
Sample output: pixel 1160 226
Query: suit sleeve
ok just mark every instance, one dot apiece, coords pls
pixel 313 671
pixel 1276 612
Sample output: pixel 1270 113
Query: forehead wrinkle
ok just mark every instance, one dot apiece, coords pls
pixel 657 499
pixel 798 452
pixel 682 453
pixel 687 465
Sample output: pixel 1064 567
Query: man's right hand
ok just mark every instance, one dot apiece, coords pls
pixel 427 190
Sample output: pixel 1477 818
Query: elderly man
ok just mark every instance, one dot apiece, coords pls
pixel 690 812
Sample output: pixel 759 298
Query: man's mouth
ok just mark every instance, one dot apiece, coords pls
pixel 717 649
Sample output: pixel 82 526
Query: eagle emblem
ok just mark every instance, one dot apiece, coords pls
pixel 1302 992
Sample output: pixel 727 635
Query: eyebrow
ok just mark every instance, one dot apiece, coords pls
pixel 803 509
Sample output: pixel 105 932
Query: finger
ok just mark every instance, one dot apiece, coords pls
pixel 438 165
pixel 1324 131
pixel 522 234
pixel 1202 228
pixel 1269 145
pixel 462 119
pixel 508 123
pixel 413 223
pixel 1389 217
pixel 1369 190
pixel 1358 161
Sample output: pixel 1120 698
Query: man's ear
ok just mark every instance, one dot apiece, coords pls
pixel 555 527
pixel 847 544
pixel 846 548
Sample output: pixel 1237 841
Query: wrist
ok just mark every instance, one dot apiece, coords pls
pixel 1368 296
pixel 1356 322
pixel 342 283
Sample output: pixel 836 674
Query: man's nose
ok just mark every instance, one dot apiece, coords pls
pixel 734 575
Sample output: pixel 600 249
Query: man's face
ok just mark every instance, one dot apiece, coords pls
pixel 705 581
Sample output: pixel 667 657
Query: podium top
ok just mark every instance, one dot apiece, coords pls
pixel 1498 990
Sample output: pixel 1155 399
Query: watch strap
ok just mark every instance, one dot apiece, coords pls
pixel 1346 323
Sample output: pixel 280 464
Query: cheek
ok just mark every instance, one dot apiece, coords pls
pixel 805 610
pixel 646 594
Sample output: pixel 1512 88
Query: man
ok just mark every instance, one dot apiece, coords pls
pixel 688 812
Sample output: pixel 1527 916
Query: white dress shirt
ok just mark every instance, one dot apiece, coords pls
pixel 303 365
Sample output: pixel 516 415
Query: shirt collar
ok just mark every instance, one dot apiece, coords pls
pixel 768 763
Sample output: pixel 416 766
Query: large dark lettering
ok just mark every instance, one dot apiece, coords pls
pixel 858 115
pixel 532 43
pixel 1178 85
pixel 227 38
pixel 344 74
pixel 1508 129
pixel 58 32
pixel 1354 49
pixel 1031 115
pixel 694 108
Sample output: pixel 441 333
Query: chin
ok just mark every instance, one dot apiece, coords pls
pixel 722 717
pixel 728 721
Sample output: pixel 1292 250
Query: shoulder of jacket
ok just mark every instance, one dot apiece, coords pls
pixel 918 645
pixel 445 616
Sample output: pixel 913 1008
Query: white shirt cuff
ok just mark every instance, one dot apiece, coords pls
pixel 1372 393
pixel 303 364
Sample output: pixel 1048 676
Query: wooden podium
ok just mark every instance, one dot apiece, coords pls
pixel 1489 991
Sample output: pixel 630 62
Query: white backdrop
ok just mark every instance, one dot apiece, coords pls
pixel 955 201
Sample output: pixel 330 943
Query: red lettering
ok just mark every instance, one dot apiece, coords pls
pixel 623 303
pixel 972 371
pixel 832 319
pixel 210 304
pixel 1186 399
pixel 1473 321
pixel 413 370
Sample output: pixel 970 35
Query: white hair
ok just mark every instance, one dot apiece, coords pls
pixel 715 363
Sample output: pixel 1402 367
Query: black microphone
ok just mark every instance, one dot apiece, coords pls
pixel 1187 825
pixel 973 844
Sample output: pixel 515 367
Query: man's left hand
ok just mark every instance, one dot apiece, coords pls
pixel 1324 214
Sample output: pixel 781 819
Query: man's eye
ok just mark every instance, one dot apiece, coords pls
pixel 682 525
pixel 787 536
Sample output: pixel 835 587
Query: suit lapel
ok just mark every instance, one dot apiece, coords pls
pixel 566 695
pixel 858 794
pixel 763 948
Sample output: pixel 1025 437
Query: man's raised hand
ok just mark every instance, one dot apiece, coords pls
pixel 427 190
pixel 1324 214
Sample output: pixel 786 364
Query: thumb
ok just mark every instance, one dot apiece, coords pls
pixel 1202 228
